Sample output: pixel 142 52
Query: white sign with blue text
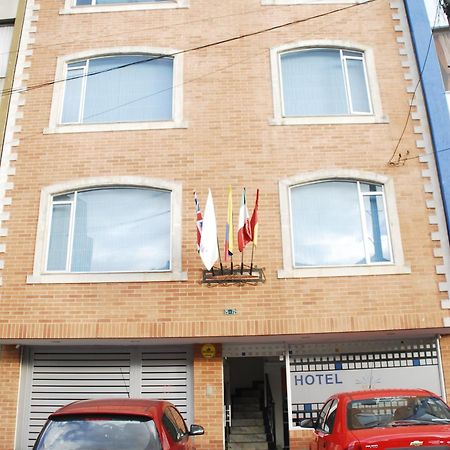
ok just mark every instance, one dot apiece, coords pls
pixel 317 386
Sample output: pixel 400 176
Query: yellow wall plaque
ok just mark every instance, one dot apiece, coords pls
pixel 208 351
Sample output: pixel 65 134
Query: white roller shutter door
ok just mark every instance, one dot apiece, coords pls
pixel 53 377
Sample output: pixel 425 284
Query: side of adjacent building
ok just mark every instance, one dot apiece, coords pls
pixel 119 111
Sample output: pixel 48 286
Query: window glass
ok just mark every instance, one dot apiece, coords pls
pixel 323 415
pixel 111 230
pixel 358 87
pixel 442 41
pixel 59 235
pixel 122 88
pixel 113 433
pixel 339 223
pixel 323 82
pixel 181 425
pixel 331 417
pixel 109 2
pixel 170 426
pixel 6 32
pixel 398 411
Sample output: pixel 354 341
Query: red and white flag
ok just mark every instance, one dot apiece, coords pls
pixel 198 213
pixel 244 229
pixel 254 220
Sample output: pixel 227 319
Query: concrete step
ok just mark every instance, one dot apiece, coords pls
pixel 247 429
pixel 246 414
pixel 245 407
pixel 255 437
pixel 247 422
pixel 248 446
pixel 246 399
pixel 249 392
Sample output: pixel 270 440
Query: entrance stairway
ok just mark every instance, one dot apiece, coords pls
pixel 247 430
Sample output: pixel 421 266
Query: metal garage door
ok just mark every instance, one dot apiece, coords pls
pixel 53 377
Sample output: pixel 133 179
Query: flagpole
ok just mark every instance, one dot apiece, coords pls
pixel 220 257
pixel 251 262
pixel 242 262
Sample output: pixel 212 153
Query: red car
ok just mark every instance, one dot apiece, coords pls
pixel 117 424
pixel 380 420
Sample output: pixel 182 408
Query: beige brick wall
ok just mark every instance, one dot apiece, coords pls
pixel 227 105
pixel 9 388
pixel 208 395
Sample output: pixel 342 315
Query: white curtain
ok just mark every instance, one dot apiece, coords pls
pixel 313 83
pixel 122 230
pixel 326 224
pixel 140 91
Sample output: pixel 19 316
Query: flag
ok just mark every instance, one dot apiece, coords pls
pixel 229 227
pixel 198 212
pixel 209 252
pixel 244 231
pixel 254 220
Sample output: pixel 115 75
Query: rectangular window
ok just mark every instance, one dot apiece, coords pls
pixel 122 88
pixel 110 230
pixel 339 223
pixel 442 41
pixel 114 2
pixel 6 32
pixel 324 82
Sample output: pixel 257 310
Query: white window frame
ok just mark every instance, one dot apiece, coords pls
pixel 55 125
pixel 41 275
pixel 397 266
pixel 71 8
pixel 376 116
pixel 309 2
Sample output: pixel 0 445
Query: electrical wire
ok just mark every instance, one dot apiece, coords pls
pixel 405 126
pixel 192 49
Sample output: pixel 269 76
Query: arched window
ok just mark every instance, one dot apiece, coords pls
pixel 118 88
pixel 110 229
pixel 124 88
pixel 339 222
pixel 106 229
pixel 99 6
pixel 324 82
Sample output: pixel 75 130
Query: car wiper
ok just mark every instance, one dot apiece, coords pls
pixel 373 425
pixel 410 422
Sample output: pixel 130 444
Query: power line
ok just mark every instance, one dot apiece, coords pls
pixel 128 32
pixel 192 49
pixel 391 160
pixel 24 137
pixel 403 160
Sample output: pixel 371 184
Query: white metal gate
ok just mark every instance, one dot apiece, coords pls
pixel 53 377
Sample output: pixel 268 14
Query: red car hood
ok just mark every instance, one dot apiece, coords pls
pixel 406 437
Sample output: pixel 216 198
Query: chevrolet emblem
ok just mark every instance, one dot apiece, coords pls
pixel 415 443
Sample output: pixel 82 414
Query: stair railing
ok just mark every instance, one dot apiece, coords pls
pixel 269 415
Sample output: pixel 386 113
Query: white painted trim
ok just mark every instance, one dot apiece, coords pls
pixel 41 276
pixel 70 8
pixel 376 116
pixel 58 92
pixel 289 271
pixel 309 2
pixel 12 130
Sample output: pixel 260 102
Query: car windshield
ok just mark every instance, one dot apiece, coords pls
pixel 396 411
pixel 100 433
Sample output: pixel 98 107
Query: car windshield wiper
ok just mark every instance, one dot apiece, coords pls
pixel 410 422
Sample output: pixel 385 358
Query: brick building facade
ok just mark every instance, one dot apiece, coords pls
pixel 83 317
